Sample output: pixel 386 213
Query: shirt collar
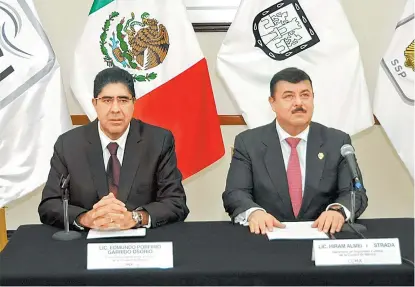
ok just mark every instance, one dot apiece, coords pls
pixel 283 135
pixel 105 140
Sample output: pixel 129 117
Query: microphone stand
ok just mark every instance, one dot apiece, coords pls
pixel 66 234
pixel 350 225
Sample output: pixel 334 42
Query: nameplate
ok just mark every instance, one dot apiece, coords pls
pixel 357 252
pixel 129 255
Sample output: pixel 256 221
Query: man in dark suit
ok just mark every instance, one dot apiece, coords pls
pixel 290 169
pixel 123 171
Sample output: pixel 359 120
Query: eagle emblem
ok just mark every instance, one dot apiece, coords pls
pixel 137 45
pixel 283 30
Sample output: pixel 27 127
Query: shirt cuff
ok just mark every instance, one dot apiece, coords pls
pixel 346 211
pixel 148 225
pixel 77 225
pixel 242 218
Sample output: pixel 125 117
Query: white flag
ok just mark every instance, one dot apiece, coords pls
pixel 394 98
pixel 33 109
pixel 315 36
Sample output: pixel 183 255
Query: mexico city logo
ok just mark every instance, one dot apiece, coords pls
pixel 283 30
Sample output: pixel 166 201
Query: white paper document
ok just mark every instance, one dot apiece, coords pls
pixel 296 230
pixel 94 233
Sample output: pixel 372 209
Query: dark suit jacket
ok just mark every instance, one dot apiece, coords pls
pixel 149 176
pixel 257 175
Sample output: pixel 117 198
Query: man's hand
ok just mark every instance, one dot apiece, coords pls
pixel 260 221
pixel 108 213
pixel 329 221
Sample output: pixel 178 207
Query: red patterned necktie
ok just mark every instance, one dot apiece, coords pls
pixel 294 176
pixel 113 168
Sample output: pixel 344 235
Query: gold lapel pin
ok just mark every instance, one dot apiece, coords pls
pixel 320 155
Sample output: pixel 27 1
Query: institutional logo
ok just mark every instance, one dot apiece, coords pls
pixel 137 46
pixel 25 52
pixel 398 62
pixel 283 30
pixel 409 56
pixel 7 40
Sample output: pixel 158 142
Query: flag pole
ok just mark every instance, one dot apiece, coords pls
pixel 3 229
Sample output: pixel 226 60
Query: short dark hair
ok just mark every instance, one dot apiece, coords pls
pixel 291 75
pixel 111 76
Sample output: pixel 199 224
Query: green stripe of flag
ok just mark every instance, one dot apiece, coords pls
pixel 98 4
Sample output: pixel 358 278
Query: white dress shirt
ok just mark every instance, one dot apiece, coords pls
pixel 242 218
pixel 105 140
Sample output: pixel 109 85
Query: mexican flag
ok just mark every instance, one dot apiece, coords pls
pixel 268 36
pixel 155 42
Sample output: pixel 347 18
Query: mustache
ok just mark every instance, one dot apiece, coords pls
pixel 299 109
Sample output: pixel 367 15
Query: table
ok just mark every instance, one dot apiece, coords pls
pixel 205 253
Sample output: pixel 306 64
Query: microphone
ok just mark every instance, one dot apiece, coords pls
pixel 64 183
pixel 347 151
pixel 66 234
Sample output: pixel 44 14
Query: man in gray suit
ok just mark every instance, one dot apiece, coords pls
pixel 123 171
pixel 290 169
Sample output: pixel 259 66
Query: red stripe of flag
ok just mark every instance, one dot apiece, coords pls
pixel 185 105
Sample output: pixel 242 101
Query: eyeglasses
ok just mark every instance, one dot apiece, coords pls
pixel 108 101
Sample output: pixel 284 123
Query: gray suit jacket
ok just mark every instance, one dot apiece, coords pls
pixel 149 175
pixel 257 175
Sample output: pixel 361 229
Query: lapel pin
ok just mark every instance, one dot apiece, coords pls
pixel 320 155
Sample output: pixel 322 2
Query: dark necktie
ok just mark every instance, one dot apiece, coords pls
pixel 113 169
